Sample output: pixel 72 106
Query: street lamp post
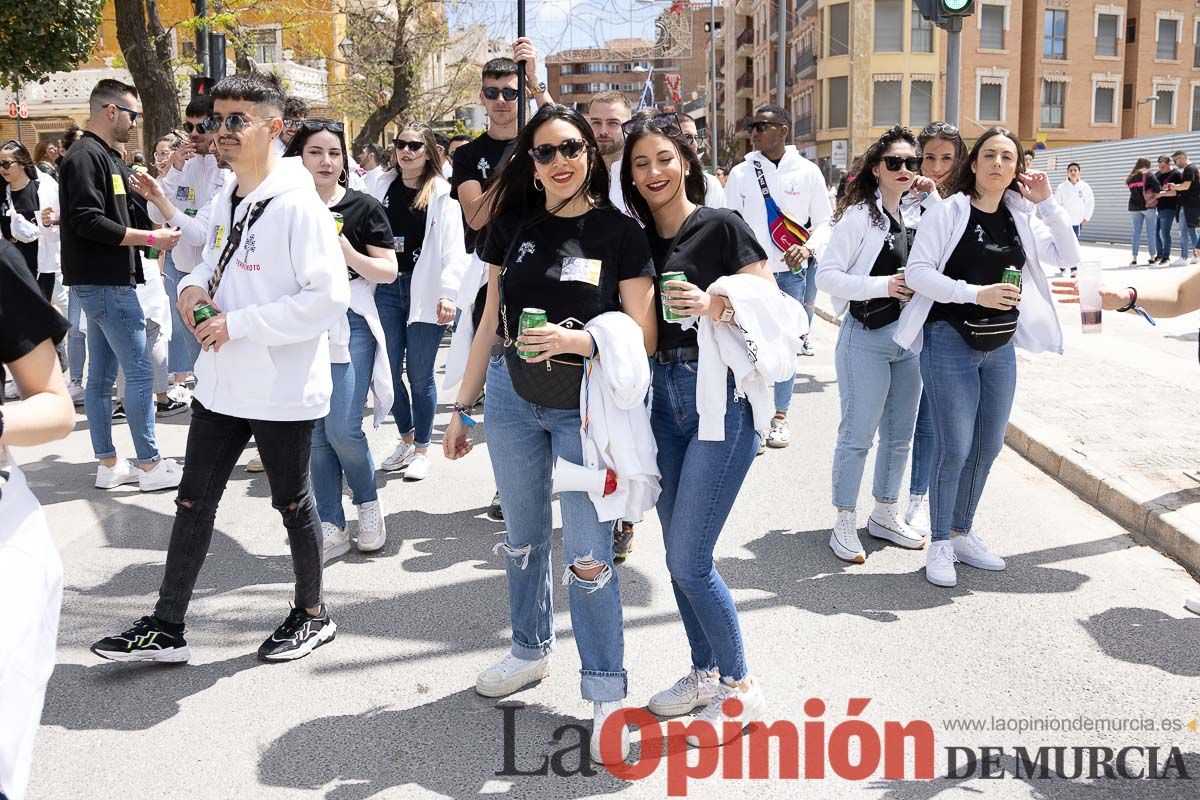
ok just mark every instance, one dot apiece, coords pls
pixel 1137 106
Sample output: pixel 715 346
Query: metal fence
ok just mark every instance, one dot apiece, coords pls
pixel 1105 165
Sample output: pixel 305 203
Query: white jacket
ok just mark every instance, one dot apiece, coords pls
pixel 796 186
pixel 475 276
pixel 844 272
pixel 47 237
pixel 439 269
pixel 714 192
pixel 284 287
pixel 190 189
pixel 362 302
pixel 1077 200
pixel 371 178
pixel 760 348
pixel 1049 242
pixel 613 403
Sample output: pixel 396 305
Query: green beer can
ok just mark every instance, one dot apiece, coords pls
pixel 530 318
pixel 667 313
pixel 203 311
pixel 338 220
pixel 1012 276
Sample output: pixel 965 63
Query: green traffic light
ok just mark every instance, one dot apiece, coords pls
pixel 955 5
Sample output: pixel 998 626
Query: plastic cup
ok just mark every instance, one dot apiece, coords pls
pixel 1089 296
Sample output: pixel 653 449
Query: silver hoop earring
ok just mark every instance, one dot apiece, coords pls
pixel 538 184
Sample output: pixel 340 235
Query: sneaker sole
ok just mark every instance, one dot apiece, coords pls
pixel 775 445
pixel 174 485
pixel 844 554
pixel 335 552
pixel 494 516
pixel 173 655
pixel 943 584
pixel 413 479
pixel 371 547
pixel 306 648
pixel 678 709
pixel 106 486
pixel 256 469
pixel 172 413
pixel 895 537
pixel 1192 604
pixel 980 565
pixel 513 685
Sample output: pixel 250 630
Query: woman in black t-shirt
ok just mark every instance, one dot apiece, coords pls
pixel 1139 182
pixel 339 446
pixel 663 185
pixel 20 207
pixel 558 245
pixel 879 383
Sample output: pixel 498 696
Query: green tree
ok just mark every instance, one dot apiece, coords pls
pixel 38 37
pixel 146 48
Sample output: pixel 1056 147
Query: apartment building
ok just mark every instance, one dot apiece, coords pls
pixel 1161 88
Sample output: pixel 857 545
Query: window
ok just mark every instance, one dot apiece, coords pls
pixel 889 26
pixel 991 102
pixel 839 29
pixel 1053 98
pixel 1106 34
pixel 1131 31
pixel 261 44
pixel 1104 103
pixel 991 27
pixel 1168 46
pixel 1127 96
pixel 1196 108
pixel 1054 35
pixel 921 32
pixel 838 101
pixel 885 105
pixel 1164 108
pixel 920 103
pixel 1196 54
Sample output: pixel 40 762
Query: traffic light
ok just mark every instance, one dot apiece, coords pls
pixel 941 12
pixel 957 8
pixel 202 85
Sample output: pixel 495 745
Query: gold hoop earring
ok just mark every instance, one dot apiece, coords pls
pixel 538 184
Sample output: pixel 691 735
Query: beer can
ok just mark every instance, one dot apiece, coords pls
pixel 530 318
pixel 338 219
pixel 203 311
pixel 152 253
pixel 668 314
pixel 191 212
pixel 1012 276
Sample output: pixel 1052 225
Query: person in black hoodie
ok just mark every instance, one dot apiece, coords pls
pixel 101 267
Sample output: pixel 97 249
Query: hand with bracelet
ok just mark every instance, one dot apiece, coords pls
pixel 1120 301
pixel 692 301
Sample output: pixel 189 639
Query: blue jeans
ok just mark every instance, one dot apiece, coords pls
pixel 810 289
pixel 922 449
pixel 700 481
pixel 1149 219
pixel 970 396
pixel 76 340
pixel 879 385
pixel 184 348
pixel 339 446
pixel 117 338
pixel 1166 219
pixel 792 284
pixel 1187 236
pixel 1076 229
pixel 523 442
pixel 417 343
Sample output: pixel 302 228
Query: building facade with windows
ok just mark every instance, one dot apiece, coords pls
pixel 572 77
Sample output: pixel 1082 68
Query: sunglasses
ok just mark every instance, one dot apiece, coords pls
pixel 234 123
pixel 196 127
pixel 492 92
pixel 292 124
pixel 761 127
pixel 9 164
pixel 894 163
pixel 315 125
pixel 412 147
pixel 935 128
pixel 666 121
pixel 133 115
pixel 544 153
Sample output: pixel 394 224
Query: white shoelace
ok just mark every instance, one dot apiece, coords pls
pixel 687 685
pixel 714 711
pixel 368 516
pixel 937 555
pixel 508 665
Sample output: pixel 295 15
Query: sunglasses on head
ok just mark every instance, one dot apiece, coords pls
pixel 321 125
pixel 412 147
pixel 935 128
pixel 666 121
pixel 133 115
pixel 894 163
pixel 760 126
pixel 493 92
pixel 234 123
pixel 544 153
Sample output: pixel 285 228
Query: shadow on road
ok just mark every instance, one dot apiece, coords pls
pixel 1148 636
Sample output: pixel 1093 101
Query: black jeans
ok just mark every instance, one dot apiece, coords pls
pixel 215 441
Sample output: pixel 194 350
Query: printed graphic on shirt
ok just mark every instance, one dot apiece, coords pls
pixel 118 184
pixel 526 248
pixel 185 194
pixel 218 235
pixel 581 269
pixel 484 167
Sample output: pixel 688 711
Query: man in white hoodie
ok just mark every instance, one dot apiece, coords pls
pixel 797 188
pixel 274 273
pixel 1075 196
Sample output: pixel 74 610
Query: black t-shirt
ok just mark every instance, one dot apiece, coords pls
pixel 234 201
pixel 408 223
pixel 988 246
pixel 880 311
pixel 26 319
pixel 1191 197
pixel 713 243
pixel 1171 176
pixel 363 222
pixel 570 266
pixel 26 202
pixel 1136 184
pixel 477 160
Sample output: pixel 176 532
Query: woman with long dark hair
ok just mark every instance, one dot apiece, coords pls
pixel 427 231
pixel 45 152
pixel 879 383
pixel 356 346
pixel 1143 208
pixel 24 192
pixel 664 188
pixel 978 267
pixel 557 245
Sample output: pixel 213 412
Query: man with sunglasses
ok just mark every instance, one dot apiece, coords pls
pixel 775 173
pixel 101 267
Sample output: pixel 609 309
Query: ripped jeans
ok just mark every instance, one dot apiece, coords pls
pixel 523 441
pixel 215 441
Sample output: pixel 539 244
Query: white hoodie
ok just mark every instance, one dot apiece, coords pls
pixel 613 403
pixel 190 189
pixel 282 290
pixel 759 347
pixel 1077 200
pixel 796 186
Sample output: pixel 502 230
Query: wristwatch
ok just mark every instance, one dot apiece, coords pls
pixel 534 89
pixel 727 314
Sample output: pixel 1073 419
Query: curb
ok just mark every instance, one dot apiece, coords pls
pixel 1158 523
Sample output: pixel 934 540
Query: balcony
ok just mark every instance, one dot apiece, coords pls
pixel 300 80
pixel 744 87
pixel 804 126
pixel 804 7
pixel 806 64
pixel 744 43
pixel 739 126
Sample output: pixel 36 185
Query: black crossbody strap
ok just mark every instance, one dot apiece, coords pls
pixel 500 282
pixel 235 239
pixel 762 179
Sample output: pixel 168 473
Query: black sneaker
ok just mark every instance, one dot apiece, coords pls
pixel 119 411
pixel 298 636
pixel 147 640
pixel 170 407
pixel 495 512
pixel 622 542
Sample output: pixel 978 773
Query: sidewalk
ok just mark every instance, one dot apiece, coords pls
pixel 1112 419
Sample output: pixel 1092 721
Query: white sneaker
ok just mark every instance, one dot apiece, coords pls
pixel 971 551
pixel 510 674
pixel 1193 260
pixel 118 474
pixel 939 564
pixel 690 692
pixel 1179 262
pixel 334 541
pixel 255 465
pixel 601 711
pixel 180 392
pixel 166 474
pixel 1192 604
pixel 10 391
pixel 754 704
pixel 885 523
pixel 805 347
pixel 400 457
pixel 418 468
pixel 917 514
pixel 75 390
pixel 779 435
pixel 844 539
pixel 762 445
pixel 372 531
